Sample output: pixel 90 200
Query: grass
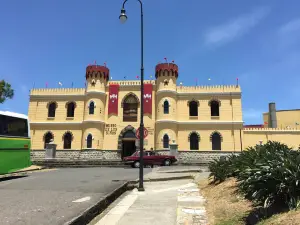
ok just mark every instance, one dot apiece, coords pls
pixel 226 207
pixel 289 218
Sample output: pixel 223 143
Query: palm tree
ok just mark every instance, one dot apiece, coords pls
pixel 5 91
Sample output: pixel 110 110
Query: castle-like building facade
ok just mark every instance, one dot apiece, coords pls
pixel 105 115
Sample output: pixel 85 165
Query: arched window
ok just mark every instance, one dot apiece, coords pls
pixel 216 141
pixel 193 108
pixel 91 108
pixel 47 138
pixel 130 108
pixel 166 141
pixel 68 140
pixel 214 108
pixel 70 109
pixel 89 141
pixel 51 109
pixel 166 107
pixel 194 142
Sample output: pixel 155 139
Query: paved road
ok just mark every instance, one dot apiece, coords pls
pixel 46 197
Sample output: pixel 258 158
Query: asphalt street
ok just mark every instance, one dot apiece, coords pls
pixel 46 197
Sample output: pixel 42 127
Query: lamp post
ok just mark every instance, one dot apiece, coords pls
pixel 123 19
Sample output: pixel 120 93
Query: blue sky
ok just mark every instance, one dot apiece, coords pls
pixel 257 41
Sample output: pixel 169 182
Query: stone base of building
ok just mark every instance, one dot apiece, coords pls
pixel 113 157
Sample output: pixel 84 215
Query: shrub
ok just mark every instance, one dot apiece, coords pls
pixel 220 169
pixel 274 176
pixel 267 174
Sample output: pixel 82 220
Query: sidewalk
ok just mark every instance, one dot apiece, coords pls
pixel 172 202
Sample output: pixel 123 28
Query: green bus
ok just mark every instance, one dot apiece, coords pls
pixel 14 142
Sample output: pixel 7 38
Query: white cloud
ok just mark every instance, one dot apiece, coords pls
pixel 235 28
pixel 291 26
pixel 289 34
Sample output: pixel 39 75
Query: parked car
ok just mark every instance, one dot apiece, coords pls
pixel 150 158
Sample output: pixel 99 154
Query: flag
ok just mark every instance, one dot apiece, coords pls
pixel 196 80
pixel 46 84
pixel 137 77
pixel 124 77
pixel 95 62
pixel 105 64
pixel 172 61
pixel 72 84
pixel 166 59
pixel 59 83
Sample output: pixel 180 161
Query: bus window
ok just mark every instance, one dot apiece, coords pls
pixel 11 126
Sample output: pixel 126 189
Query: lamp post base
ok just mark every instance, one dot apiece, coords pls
pixel 141 189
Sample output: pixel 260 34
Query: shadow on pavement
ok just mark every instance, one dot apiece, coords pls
pixel 12 178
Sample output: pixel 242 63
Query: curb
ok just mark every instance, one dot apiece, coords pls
pixel 183 171
pixel 168 178
pixel 134 182
pixel 89 214
pixel 19 173
pixel 42 168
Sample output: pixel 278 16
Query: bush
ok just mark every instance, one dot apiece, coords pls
pixel 219 170
pixel 267 174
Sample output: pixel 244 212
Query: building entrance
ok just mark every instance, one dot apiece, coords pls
pixel 128 144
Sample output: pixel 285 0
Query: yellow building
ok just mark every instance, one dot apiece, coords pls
pixel 101 119
pixel 288 119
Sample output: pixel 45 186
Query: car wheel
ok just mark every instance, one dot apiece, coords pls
pixel 167 162
pixel 136 164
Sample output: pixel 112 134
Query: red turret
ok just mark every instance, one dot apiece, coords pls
pixel 169 67
pixel 96 70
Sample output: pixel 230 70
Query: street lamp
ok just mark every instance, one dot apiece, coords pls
pixel 123 19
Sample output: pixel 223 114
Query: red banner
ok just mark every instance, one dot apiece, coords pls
pixel 147 98
pixel 113 98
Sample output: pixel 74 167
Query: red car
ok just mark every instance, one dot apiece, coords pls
pixel 150 158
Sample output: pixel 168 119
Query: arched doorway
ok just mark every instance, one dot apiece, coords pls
pixel 130 108
pixel 128 143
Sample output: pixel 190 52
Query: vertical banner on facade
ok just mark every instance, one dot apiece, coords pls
pixel 113 99
pixel 148 98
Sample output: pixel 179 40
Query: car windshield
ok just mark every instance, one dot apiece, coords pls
pixel 146 153
pixel 136 154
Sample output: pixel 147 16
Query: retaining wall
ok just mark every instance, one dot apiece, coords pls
pixel 113 157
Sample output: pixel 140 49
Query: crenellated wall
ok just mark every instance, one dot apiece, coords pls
pixel 254 136
pixel 210 89
pixel 41 92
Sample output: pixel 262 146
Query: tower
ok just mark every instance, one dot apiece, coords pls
pixel 166 103
pixel 94 113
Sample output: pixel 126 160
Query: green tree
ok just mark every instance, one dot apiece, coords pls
pixel 5 91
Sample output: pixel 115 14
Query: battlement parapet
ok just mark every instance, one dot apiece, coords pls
pixel 267 129
pixel 57 91
pixel 209 88
pixel 131 82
